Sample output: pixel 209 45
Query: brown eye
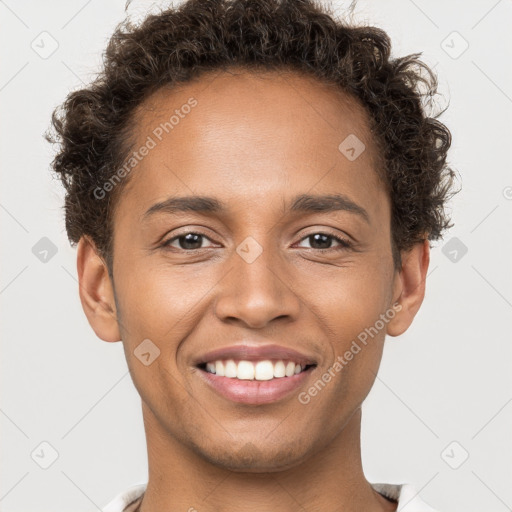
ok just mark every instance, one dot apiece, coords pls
pixel 323 241
pixel 187 241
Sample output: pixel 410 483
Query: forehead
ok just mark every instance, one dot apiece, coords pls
pixel 272 103
pixel 244 136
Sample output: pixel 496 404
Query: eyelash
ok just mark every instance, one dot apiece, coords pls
pixel 345 243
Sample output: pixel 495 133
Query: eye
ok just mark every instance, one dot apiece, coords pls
pixel 187 241
pixel 192 241
pixel 324 239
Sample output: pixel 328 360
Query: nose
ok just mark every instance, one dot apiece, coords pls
pixel 256 292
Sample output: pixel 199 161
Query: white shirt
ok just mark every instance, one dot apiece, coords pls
pixel 406 495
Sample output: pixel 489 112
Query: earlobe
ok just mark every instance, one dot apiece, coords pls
pixel 409 287
pixel 96 291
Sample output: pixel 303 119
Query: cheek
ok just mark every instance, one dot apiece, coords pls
pixel 164 306
pixel 154 300
pixel 153 309
pixel 355 301
pixel 355 315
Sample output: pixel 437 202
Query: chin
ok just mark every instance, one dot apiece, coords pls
pixel 256 457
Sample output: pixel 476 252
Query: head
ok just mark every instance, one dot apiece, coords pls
pixel 318 183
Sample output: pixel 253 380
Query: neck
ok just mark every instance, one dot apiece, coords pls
pixel 180 479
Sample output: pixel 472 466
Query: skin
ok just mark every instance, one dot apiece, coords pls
pixel 253 142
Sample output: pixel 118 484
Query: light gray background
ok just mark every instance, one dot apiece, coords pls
pixel 447 379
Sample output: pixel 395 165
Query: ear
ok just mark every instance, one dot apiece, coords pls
pixel 96 291
pixel 409 287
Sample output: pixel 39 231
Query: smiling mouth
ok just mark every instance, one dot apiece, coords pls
pixel 255 382
pixel 262 370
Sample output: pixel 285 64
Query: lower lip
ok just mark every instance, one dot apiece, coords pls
pixel 255 391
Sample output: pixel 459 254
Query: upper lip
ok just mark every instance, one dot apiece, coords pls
pixel 255 353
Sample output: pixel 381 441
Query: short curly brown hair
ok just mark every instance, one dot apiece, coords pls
pixel 94 124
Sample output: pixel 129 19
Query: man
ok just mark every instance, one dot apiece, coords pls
pixel 253 186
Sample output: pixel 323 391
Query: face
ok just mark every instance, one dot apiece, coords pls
pixel 259 264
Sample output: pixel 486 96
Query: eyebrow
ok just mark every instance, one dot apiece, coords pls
pixel 303 203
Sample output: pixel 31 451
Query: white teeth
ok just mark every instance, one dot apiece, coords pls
pixel 249 370
pixel 279 369
pixel 219 368
pixel 230 369
pixel 290 369
pixel 245 370
pixel 264 370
